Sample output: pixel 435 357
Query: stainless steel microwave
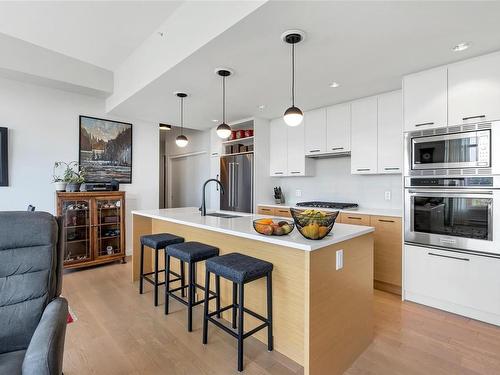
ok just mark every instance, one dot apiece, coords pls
pixel 458 150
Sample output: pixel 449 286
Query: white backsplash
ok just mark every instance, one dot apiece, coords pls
pixel 332 181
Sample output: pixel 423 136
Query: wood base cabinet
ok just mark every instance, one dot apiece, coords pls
pixel 93 227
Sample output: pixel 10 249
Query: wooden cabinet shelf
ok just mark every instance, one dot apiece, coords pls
pixel 88 238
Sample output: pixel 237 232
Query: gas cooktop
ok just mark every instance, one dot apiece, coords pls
pixel 333 205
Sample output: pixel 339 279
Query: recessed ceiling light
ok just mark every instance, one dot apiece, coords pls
pixel 215 120
pixel 461 47
pixel 334 84
pixel 262 106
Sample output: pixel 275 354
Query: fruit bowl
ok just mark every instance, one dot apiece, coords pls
pixel 314 224
pixel 271 227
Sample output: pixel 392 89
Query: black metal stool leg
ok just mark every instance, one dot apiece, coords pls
pixel 183 280
pixel 141 275
pixel 217 293
pixel 240 328
pixel 235 301
pixel 205 308
pixel 156 277
pixel 190 297
pixel 167 282
pixel 270 343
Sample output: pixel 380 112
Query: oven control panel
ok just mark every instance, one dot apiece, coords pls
pixel 450 182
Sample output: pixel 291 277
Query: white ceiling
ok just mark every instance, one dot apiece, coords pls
pixel 365 46
pixel 101 33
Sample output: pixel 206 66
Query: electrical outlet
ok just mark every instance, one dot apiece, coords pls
pixel 387 195
pixel 339 259
pixel 298 193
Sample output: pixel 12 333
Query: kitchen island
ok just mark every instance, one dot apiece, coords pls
pixel 322 316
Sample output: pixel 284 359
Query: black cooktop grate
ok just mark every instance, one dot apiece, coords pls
pixel 334 205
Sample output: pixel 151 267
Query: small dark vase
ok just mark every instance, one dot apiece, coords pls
pixel 73 187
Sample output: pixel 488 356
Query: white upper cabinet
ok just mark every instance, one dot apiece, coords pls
pixel 296 163
pixel 315 131
pixel 390 132
pixel 474 90
pixel 425 99
pixel 364 136
pixel 215 143
pixel 338 128
pixel 278 148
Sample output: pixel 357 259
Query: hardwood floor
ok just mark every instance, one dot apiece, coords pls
pixel 119 331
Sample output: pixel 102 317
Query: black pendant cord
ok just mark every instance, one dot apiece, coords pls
pixel 293 75
pixel 223 99
pixel 182 116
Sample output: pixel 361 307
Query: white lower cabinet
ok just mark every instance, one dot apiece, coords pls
pixel 460 283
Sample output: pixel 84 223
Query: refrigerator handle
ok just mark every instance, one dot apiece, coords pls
pixel 230 184
pixel 236 187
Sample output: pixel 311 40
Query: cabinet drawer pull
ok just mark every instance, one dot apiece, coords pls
pixel 391 168
pixel 472 117
pixel 295 172
pixel 265 209
pixel 386 221
pixel 424 124
pixel 284 211
pixel 278 173
pixel 215 153
pixel 337 148
pixel 314 150
pixel 363 169
pixel 354 217
pixel 449 256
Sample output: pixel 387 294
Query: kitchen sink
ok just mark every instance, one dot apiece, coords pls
pixel 224 216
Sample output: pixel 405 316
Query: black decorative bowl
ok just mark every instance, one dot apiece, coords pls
pixel 314 224
pixel 271 227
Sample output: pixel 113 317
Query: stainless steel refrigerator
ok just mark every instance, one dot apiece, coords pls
pixel 236 175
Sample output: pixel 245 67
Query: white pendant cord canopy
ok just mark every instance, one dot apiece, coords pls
pixel 181 140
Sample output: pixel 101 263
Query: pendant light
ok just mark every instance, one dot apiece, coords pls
pixel 223 130
pixel 181 139
pixel 293 115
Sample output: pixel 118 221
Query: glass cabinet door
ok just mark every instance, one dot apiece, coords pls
pixel 76 227
pixel 108 227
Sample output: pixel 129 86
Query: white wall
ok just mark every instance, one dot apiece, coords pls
pixel 43 128
pixel 333 181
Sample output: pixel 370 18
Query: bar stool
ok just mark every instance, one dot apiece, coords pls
pixel 157 242
pixel 240 269
pixel 190 253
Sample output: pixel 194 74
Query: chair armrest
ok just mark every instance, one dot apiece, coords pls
pixel 44 355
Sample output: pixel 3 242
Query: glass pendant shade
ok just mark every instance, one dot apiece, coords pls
pixel 293 116
pixel 223 130
pixel 181 140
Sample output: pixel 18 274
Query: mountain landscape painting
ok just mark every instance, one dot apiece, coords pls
pixel 105 150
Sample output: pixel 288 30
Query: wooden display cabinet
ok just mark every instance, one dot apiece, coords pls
pixel 94 227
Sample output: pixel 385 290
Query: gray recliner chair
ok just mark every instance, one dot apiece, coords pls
pixel 32 315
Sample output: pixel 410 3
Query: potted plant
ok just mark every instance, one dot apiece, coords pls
pixel 59 175
pixel 75 176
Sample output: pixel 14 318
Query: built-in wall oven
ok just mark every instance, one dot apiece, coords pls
pixel 453 212
pixel 456 150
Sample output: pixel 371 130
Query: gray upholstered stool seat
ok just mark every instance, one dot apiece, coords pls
pixel 160 240
pixel 239 268
pixel 192 251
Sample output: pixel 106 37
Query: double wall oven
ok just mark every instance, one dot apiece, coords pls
pixel 452 188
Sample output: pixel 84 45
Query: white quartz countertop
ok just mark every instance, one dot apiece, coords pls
pixel 243 227
pixel 359 210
